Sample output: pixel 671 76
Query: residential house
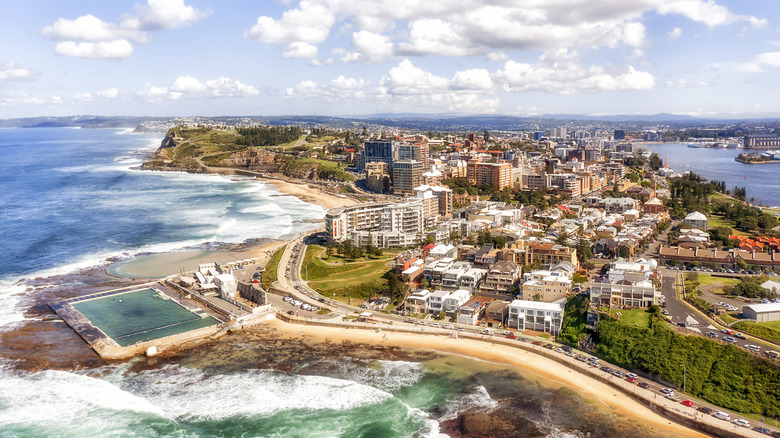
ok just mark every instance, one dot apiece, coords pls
pixel 454 300
pixel 471 279
pixel 473 310
pixel 451 278
pixel 417 301
pixel 697 220
pixel 496 312
pixel 436 301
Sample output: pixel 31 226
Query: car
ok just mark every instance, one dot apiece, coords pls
pixel 687 403
pixel 741 422
pixel 511 336
pixel 559 350
pixel 704 410
pixel 672 397
pixel 644 385
pixel 630 380
pixel 566 348
pixel 763 430
pixel 730 339
pixel 291 312
pixel 606 369
pixel 410 320
pixel 726 332
pixel 537 342
pixel 507 332
pixel 739 336
pixel 522 339
pixel 618 373
pixel 420 322
pixel 435 324
pixel 667 390
pixel 488 332
pixel 722 415
pixel 632 375
pixel 549 346
pixel 449 326
pixel 460 329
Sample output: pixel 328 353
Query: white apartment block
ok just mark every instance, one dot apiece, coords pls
pixel 436 301
pixel 380 217
pixel 536 315
pixel 456 299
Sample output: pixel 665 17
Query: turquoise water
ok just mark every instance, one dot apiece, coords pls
pixel 138 316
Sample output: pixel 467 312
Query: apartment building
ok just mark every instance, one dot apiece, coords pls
pixel 417 301
pixel 535 315
pixel 454 300
pixel 376 218
pixel 443 197
pixel 501 278
pixel 378 151
pixel 436 301
pixel 545 285
pixel 407 174
pixel 496 175
pixel 473 310
pixel 378 177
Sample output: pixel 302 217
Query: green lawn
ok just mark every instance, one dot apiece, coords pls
pixel 633 317
pixel 715 221
pixel 774 325
pixel 270 273
pixel 709 280
pixel 335 273
pixel 728 318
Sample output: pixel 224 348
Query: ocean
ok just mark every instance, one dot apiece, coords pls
pixel 759 180
pixel 73 199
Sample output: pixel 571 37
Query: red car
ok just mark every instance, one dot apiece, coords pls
pixel 631 380
pixel 688 403
pixel 511 336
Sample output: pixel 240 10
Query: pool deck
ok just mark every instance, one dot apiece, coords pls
pixel 110 349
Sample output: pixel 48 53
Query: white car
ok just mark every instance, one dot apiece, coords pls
pixel 741 422
pixel 435 324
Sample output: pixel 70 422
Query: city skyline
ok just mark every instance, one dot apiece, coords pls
pixel 342 57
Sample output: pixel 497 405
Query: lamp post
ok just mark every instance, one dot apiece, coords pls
pixel 683 365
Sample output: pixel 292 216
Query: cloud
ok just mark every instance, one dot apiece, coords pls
pixel 167 14
pixel 103 49
pixel 561 72
pixel 91 37
pixel 299 49
pixel 707 12
pixel 15 98
pixel 110 93
pixel 339 89
pixel 474 28
pixel 683 83
pixel 497 56
pixel 766 59
pixel 407 85
pixel 12 71
pixel 674 33
pixel 188 87
pixel 309 23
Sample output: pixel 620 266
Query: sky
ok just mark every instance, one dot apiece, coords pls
pixel 707 58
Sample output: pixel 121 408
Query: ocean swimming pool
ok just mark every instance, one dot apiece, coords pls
pixel 141 315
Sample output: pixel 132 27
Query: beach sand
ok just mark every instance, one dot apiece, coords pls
pixel 310 193
pixel 585 385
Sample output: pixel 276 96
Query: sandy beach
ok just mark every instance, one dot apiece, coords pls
pixel 310 194
pixel 585 385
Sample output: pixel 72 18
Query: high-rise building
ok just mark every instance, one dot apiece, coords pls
pixel 407 174
pixel 377 177
pixel 381 223
pixel 379 151
pixel 619 134
pixel 415 151
pixel 496 175
pixel 442 194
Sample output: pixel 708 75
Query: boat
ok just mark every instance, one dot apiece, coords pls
pixel 733 145
pixel 694 145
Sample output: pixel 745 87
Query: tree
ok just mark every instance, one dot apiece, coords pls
pixel 330 250
pixel 742 264
pixel 365 131
pixel 486 136
pixel 584 252
pixel 537 297
pixel 424 284
pixel 624 252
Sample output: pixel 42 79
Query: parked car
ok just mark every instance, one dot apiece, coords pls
pixel 704 410
pixel 687 403
pixel 741 422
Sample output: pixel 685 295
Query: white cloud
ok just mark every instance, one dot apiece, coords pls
pixel 674 33
pixel 309 23
pixel 321 62
pixel 470 27
pixel 561 72
pixel 188 87
pixel 475 79
pixel 12 71
pixel 102 49
pixel 707 12
pixel 167 14
pixel 406 79
pixel 91 37
pixel 683 83
pixel 110 93
pixel 15 98
pixel 497 56
pixel 768 59
pixel 339 89
pixel 300 49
